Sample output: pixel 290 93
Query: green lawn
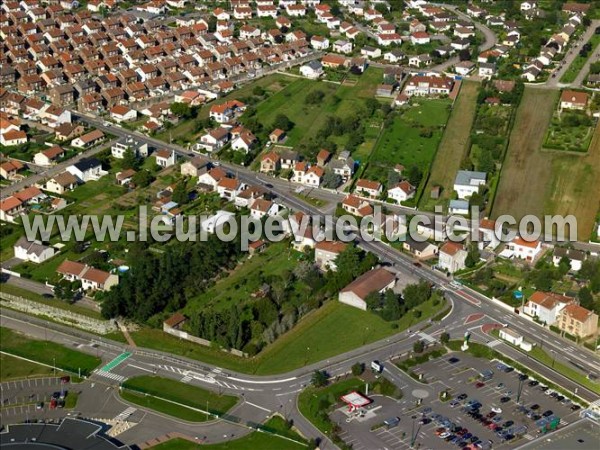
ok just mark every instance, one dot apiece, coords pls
pixel 15 368
pixel 176 391
pixel 340 100
pixel 255 440
pixel 47 352
pixel 579 61
pixel 314 403
pixel 308 342
pixel 246 279
pixel 406 141
pixel 164 407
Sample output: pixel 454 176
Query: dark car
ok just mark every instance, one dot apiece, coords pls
pixel 533 383
pixel 507 424
pixel 417 264
pixel 269 185
pixel 462 397
pixel 536 417
pixel 504 399
pixel 508 369
pixel 543 388
pixel 65 379
pixel 453 360
pixel 575 407
pixel 535 406
pixel 46 295
pixel 548 413
pixel 479 384
pixel 560 398
pixel 523 377
pixel 56 395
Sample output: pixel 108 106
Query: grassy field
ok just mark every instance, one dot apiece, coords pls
pixel 526 170
pixel 14 368
pixel 246 279
pixel 175 391
pixel 340 100
pixel 454 146
pixel 308 342
pixel 255 440
pixel 403 143
pixel 47 352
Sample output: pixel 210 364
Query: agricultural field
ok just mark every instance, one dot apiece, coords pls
pixel 525 174
pixel 411 140
pixel 570 131
pixel 454 145
pixel 554 182
pixel 47 352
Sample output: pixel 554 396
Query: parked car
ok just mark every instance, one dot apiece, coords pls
pixel 547 413
pixel 479 384
pixel 497 410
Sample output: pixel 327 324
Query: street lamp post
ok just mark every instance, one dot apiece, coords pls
pixel 553 357
pixel 520 390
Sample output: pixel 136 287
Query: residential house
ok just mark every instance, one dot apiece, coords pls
pixel 357 206
pixel 277 135
pixel 34 252
pixel 120 113
pixel 244 142
pixel 575 257
pixel 263 208
pixel 125 177
pixel 573 100
pixel 468 182
pixel 420 38
pixel 460 207
pixel 88 140
pixel 313 176
pixel 578 321
pixel 48 157
pixel 225 112
pixel 372 189
pixel 194 167
pixel 217 221
pixel 270 162
pixel 68 131
pixel 61 183
pixel 13 137
pixel 376 280
pixel 452 257
pixel 421 85
pixel 546 306
pixel 343 166
pixel 326 253
pixel 139 149
pixel 90 277
pixel 88 169
pixel 211 178
pixel 9 170
pixel 11 208
pixel 489 233
pixel 420 249
pixel 214 140
pixel 527 250
pixel 229 188
pixel 401 192
pixel 312 70
pixel 165 158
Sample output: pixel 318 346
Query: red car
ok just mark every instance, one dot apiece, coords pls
pixel 479 384
pixel 53 403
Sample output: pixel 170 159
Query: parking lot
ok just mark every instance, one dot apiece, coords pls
pixel 32 397
pixel 477 414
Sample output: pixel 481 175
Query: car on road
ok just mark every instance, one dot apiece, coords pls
pixel 417 264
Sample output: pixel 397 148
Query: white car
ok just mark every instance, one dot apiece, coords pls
pixel 497 410
pixel 445 434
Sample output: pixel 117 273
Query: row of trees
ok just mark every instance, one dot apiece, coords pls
pixel 391 306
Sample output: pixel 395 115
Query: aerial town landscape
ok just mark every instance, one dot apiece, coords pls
pixel 288 224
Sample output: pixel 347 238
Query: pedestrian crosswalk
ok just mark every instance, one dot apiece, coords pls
pixel 112 376
pixel 427 338
pixel 494 343
pixel 186 379
pixel 529 437
pixel 125 414
pixel 189 375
